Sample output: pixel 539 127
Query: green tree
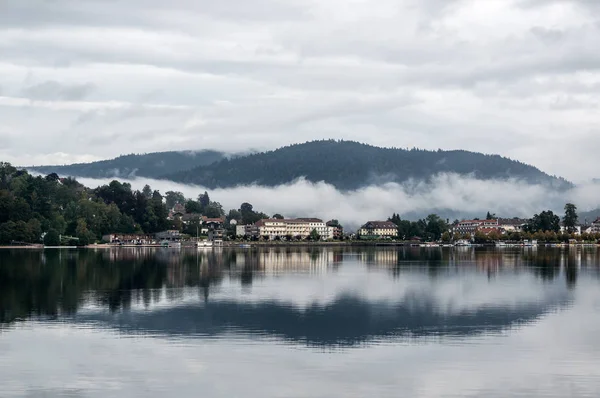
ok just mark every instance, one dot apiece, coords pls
pixel 191 206
pixel 147 191
pixel 204 199
pixel 213 210
pixel 82 232
pixel 314 235
pixel 234 215
pixel 480 237
pixel 446 237
pixel 571 218
pixel 52 238
pixel 490 216
pixel 545 221
pixel 435 227
pixel 172 198
pixel 278 216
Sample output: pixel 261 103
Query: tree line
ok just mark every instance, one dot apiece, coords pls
pixel 61 210
pixel 53 210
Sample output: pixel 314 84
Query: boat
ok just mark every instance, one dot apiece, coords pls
pixel 462 243
pixel 170 244
pixel 205 244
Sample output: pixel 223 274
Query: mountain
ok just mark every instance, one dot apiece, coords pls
pixel 350 165
pixel 151 165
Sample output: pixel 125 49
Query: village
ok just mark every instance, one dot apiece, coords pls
pixel 195 229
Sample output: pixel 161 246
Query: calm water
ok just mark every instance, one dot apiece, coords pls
pixel 300 323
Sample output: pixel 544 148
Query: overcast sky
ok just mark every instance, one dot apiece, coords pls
pixel 82 80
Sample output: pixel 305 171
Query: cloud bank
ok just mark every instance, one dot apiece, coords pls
pixel 449 195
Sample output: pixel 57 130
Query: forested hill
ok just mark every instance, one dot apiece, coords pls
pixel 151 165
pixel 351 165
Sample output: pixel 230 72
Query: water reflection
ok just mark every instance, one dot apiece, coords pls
pixel 287 323
pixel 339 296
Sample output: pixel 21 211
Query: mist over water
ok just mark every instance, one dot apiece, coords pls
pixel 449 195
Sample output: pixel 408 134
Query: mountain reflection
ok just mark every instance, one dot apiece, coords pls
pixel 125 287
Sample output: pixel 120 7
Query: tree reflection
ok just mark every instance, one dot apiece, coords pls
pixel 51 283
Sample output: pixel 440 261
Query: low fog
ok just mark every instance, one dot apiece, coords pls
pixel 449 195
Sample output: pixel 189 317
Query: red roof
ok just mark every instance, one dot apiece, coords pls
pixel 287 220
pixel 487 230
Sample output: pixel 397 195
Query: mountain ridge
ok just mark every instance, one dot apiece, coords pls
pixel 347 165
pixel 150 165
pixel 351 165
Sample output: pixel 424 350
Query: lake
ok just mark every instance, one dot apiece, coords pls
pixel 293 322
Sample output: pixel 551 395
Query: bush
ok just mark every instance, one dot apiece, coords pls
pixel 52 238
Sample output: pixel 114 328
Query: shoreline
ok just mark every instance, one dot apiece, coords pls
pixel 248 245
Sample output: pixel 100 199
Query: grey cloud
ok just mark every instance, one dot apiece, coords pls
pixel 52 90
pixel 584 4
pixel 143 13
pixel 483 76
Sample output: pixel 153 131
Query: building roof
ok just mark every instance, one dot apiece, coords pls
pixel 262 222
pixel 179 208
pixel 493 221
pixel 512 221
pixel 380 225
pixel 218 219
pixel 306 219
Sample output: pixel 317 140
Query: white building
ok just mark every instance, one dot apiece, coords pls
pixel 577 229
pixel 379 229
pixel 297 227
pixel 595 226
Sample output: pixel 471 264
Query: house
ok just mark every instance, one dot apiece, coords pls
pixel 379 229
pixel 191 218
pixel 471 226
pixel 512 224
pixel 216 234
pixel 247 230
pixel 212 223
pixel 170 235
pixel 179 208
pixel 595 226
pixel 338 230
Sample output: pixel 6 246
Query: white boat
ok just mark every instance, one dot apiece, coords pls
pixel 205 244
pixel 462 242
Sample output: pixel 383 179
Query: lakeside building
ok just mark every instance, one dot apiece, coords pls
pixel 378 229
pixel 595 226
pixel 299 228
pixel 512 224
pixel 472 226
pixel 130 239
